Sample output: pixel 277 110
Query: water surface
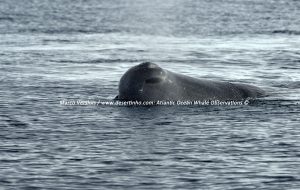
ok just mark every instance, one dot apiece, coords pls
pixel 78 50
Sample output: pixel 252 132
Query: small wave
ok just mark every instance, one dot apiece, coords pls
pixel 97 61
pixel 6 19
pixel 69 31
pixel 281 102
pixel 290 32
pixel 57 40
pixel 290 85
pixel 163 123
pixel 276 179
pixel 13 122
pixel 189 180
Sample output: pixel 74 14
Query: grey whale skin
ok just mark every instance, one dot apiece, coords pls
pixel 149 82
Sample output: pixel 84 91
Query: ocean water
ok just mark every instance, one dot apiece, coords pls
pixel 53 50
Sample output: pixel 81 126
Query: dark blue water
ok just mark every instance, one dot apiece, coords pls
pixel 54 50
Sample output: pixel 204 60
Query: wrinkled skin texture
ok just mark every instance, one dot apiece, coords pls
pixel 149 82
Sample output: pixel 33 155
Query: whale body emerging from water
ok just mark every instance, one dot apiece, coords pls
pixel 149 82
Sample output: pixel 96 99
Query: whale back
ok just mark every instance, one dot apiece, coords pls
pixel 149 82
pixel 201 89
